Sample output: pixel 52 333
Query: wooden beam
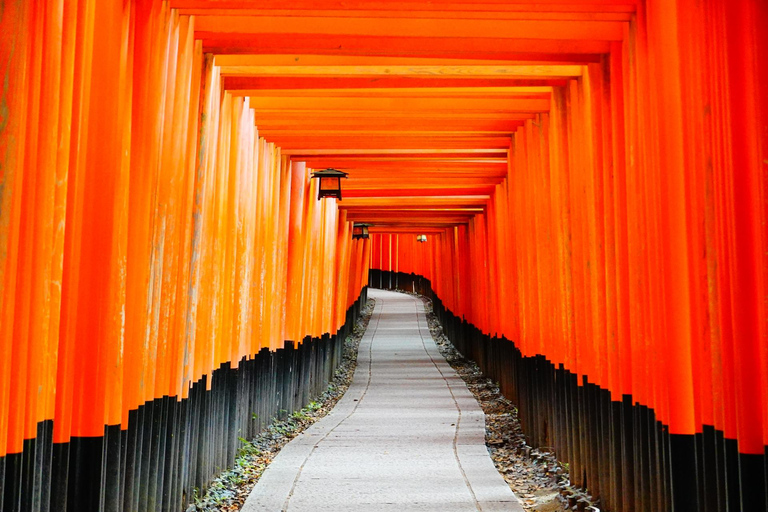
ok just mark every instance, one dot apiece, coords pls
pixel 412 209
pixel 313 60
pixel 407 7
pixel 465 105
pixel 375 188
pixel 416 162
pixel 417 201
pixel 414 230
pixel 418 27
pixel 486 72
pixel 529 91
pixel 485 189
pixel 411 151
pixel 359 144
pixel 271 133
pixel 295 124
pixel 235 83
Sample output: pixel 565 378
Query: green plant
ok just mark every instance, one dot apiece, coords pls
pixel 248 448
pixel 299 415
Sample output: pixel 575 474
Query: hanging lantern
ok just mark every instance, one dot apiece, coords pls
pixel 359 231
pixel 421 238
pixel 330 183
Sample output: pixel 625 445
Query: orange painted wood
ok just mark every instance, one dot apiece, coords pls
pixel 424 27
pixel 399 6
pixel 590 175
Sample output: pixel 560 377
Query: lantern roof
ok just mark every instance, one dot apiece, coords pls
pixel 329 173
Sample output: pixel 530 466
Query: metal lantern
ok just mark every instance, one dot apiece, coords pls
pixel 359 231
pixel 421 238
pixel 330 183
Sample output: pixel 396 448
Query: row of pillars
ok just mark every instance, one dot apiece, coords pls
pixel 617 449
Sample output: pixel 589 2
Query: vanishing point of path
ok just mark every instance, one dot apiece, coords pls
pixel 407 435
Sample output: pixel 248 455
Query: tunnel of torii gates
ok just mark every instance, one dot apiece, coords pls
pixel 591 177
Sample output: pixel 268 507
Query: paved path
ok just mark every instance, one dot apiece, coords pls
pixel 407 435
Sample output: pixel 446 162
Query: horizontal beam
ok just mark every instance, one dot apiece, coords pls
pixel 384 229
pixel 375 189
pixel 235 83
pixel 413 209
pixel 359 144
pixel 417 201
pixel 486 72
pixel 409 218
pixel 419 179
pixel 422 171
pixel 266 126
pixel 341 60
pixel 402 92
pixel 395 192
pixel 412 151
pixel 362 132
pixel 410 27
pixel 311 105
pixel 446 222
pixel 277 116
pixel 537 50
pixel 404 7
pixel 414 162
pixel 478 11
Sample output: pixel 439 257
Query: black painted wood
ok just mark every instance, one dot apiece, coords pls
pixel 172 448
pixel 617 449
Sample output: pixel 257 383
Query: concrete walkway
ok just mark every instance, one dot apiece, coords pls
pixel 407 435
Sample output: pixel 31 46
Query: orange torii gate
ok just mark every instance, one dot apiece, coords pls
pixel 151 239
pixel 631 260
pixel 590 175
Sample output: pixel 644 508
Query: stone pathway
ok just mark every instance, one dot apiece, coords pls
pixel 407 435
